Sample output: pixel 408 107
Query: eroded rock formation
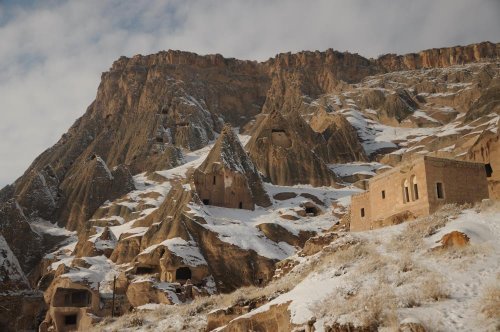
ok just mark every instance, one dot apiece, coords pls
pixel 228 177
pixel 282 151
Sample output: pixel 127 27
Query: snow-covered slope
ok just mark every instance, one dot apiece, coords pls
pixel 378 280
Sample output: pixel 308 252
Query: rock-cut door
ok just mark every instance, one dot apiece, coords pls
pixel 183 273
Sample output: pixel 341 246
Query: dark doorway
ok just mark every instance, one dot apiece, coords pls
pixel 144 270
pixel 362 212
pixel 439 190
pixel 70 320
pixel 241 205
pixel 183 273
pixel 489 170
pixel 206 201
pixel 311 211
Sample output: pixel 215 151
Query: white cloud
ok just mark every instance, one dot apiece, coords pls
pixel 52 53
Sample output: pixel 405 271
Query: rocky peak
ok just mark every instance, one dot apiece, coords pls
pixel 228 177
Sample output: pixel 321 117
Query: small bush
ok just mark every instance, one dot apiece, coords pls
pixel 490 302
pixel 136 321
pixel 434 289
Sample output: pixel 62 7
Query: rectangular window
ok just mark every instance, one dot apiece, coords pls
pixel 214 180
pixel 407 195
pixel 489 170
pixel 415 190
pixel 383 194
pixel 362 212
pixel 439 190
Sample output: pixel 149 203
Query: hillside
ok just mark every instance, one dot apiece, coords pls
pixel 396 277
pixel 193 176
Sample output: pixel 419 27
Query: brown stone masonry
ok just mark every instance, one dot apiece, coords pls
pixel 417 188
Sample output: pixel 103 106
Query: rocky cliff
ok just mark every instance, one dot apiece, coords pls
pixel 124 175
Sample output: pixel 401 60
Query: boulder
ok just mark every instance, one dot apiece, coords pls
pixel 454 239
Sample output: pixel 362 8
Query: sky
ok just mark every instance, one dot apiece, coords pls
pixel 52 53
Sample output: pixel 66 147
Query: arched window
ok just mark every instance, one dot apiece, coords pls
pixel 414 188
pixel 406 192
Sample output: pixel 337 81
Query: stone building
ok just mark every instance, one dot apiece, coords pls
pixel 72 307
pixel 228 177
pixel 417 188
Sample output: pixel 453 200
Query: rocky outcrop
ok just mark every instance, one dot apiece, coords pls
pixel 311 74
pixel 454 239
pixel 342 143
pixel 93 184
pixel 228 177
pixel 283 152
pixel 25 244
pixel 486 150
pixel 231 266
pixel 440 57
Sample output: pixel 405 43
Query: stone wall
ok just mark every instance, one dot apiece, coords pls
pixel 411 191
pixel 463 182
pixel 358 202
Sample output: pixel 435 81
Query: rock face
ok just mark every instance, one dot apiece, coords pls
pixel 486 150
pixel 94 184
pixel 228 177
pixel 439 57
pixel 283 151
pixel 22 240
pixel 342 143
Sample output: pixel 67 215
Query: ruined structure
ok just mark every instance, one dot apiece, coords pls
pixel 417 188
pixel 72 307
pixel 228 177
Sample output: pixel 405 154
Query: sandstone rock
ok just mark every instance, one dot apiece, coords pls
pixel 486 149
pixel 102 243
pixel 284 196
pixel 278 233
pixel 316 244
pixel 289 217
pixel 228 177
pixel 280 154
pixel 397 107
pixel 144 292
pixel 442 57
pixel 277 318
pixel 454 239
pixel 40 193
pixel 94 184
pixel 26 245
pixel 342 143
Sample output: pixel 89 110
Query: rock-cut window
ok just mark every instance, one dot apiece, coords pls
pixel 362 212
pixel 439 190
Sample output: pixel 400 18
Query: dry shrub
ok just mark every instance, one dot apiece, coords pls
pixel 136 321
pixel 412 237
pixel 371 308
pixel 433 288
pixel 490 302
